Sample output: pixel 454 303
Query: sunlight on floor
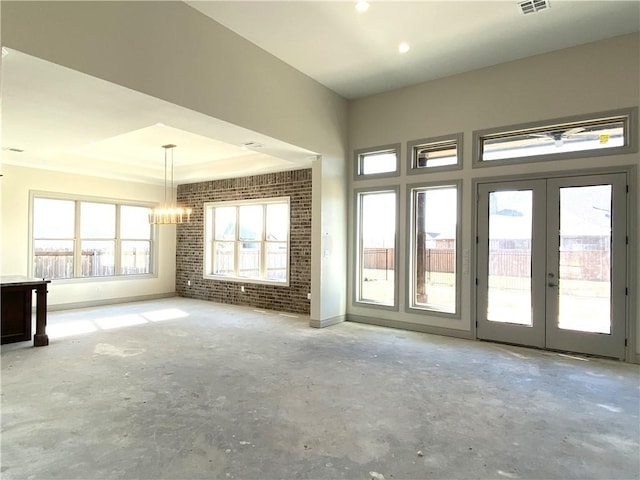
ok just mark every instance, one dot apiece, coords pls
pixel 165 314
pixel 79 327
pixel 119 321
pixel 71 328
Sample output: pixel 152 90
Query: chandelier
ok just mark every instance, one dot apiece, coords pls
pixel 168 213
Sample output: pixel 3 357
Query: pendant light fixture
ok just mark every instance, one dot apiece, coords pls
pixel 168 213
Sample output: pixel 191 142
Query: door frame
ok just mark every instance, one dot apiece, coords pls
pixel 533 335
pixel 631 302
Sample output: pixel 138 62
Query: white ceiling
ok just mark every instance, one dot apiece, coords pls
pixel 356 54
pixel 67 121
pixel 50 111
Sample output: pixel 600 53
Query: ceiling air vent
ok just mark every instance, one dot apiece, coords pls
pixel 533 6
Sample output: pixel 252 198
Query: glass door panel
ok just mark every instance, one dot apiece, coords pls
pixel 584 281
pixel 510 237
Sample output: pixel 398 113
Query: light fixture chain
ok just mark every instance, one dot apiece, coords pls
pixel 166 203
pixel 173 197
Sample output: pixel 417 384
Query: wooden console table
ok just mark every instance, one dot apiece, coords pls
pixel 16 309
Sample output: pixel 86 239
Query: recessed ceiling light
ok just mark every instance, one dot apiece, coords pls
pixel 160 124
pixel 404 47
pixel 362 6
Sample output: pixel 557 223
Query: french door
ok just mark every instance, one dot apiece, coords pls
pixel 551 269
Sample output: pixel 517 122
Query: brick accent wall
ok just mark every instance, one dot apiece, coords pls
pixel 190 241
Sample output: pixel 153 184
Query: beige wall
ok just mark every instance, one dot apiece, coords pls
pixel 18 182
pixel 589 78
pixel 171 51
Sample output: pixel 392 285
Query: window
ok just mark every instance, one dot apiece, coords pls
pixel 434 273
pixel 135 240
pixel 377 162
pixel 376 247
pixel 54 238
pixel 434 154
pixel 248 240
pixel 603 134
pixel 75 238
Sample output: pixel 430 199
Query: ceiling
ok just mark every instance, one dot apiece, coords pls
pixel 67 121
pixel 352 53
pixel 356 53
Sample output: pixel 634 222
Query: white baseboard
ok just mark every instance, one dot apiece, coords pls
pixel 108 301
pixel 416 327
pixel 327 322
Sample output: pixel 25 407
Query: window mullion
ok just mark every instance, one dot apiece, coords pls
pixel 117 249
pixel 263 245
pixel 214 253
pixel 210 238
pixel 360 248
pixel 77 244
pixel 236 246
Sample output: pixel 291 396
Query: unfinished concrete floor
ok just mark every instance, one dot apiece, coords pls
pixel 186 389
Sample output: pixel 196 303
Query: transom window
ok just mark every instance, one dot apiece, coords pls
pixel 248 240
pixel 75 238
pixel 442 153
pixel 598 135
pixel 377 161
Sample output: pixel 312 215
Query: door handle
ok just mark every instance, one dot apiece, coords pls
pixel 551 284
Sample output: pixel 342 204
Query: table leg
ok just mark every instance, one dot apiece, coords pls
pixel 40 339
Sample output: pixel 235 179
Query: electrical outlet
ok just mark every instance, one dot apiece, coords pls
pixel 308 296
pixel 242 288
pixel 188 283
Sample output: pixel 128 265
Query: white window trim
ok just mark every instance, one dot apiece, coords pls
pixel 357 249
pixel 392 148
pixel 411 306
pixel 208 254
pixel 153 262
pixel 630 146
pixel 456 138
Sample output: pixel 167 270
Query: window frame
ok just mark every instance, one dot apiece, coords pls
pixel 628 115
pixel 410 305
pixel 413 169
pixel 357 247
pixel 359 153
pixel 78 240
pixel 209 243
